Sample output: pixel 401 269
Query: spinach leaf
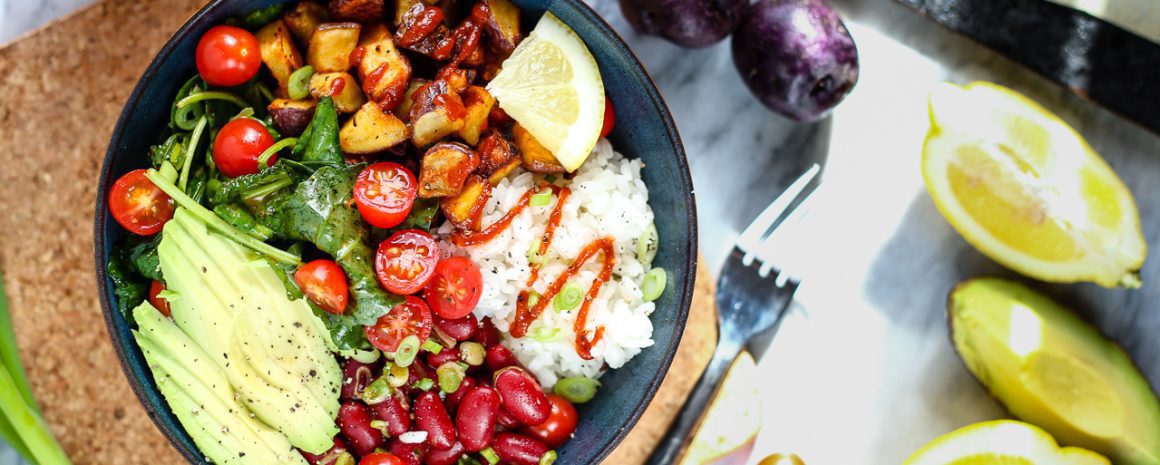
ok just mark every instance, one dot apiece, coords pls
pixel 422 214
pixel 142 255
pixel 303 141
pixel 249 187
pixel 323 141
pixel 238 217
pixel 129 288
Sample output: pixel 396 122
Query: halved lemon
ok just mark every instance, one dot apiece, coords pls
pixel 1001 442
pixel 552 87
pixel 1025 189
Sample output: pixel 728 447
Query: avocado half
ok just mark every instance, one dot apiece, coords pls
pixel 1049 368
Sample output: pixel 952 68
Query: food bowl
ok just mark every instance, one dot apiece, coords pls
pixel 644 130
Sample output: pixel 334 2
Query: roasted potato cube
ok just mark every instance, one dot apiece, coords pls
pixel 445 166
pixel 371 130
pixel 497 156
pixel 465 210
pixel 478 102
pixel 363 11
pixel 536 158
pixel 331 46
pixel 434 125
pixel 291 116
pixel 404 108
pixel 435 113
pixel 457 79
pixel 278 52
pixel 339 86
pixel 302 20
pixel 496 176
pixel 385 72
pixel 401 7
pixel 503 25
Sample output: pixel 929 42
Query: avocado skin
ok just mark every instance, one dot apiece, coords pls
pixel 1119 416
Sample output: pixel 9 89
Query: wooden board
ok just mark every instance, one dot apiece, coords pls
pixel 62 88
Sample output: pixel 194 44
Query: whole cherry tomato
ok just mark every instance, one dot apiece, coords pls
pixel 138 205
pixel 381 458
pixel 324 283
pixel 560 424
pixel 238 146
pixel 228 56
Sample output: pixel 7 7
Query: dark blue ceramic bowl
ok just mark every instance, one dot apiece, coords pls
pixel 644 129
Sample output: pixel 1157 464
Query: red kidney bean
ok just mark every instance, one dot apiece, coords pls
pixel 448 354
pixel 446 457
pixel 475 420
pixel 460 329
pixel 522 396
pixel 432 417
pixel 499 357
pixel 396 412
pixel 452 401
pixel 416 372
pixel 328 457
pixel 487 334
pixel 355 378
pixel 518 449
pixel 506 420
pixel 411 454
pixel 354 420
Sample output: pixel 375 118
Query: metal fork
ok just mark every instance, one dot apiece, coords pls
pixel 752 297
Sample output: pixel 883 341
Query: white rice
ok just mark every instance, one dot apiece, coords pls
pixel 608 200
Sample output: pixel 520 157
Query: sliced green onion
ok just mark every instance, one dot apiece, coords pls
pixel 397 376
pixel 450 375
pixel 424 384
pixel 549 458
pixel 577 389
pixel 550 178
pixel 344 458
pixel 489 455
pixel 212 95
pixel 472 352
pixel 534 256
pixel 299 86
pixel 273 149
pixel 186 118
pixel 366 357
pixel 381 426
pixel 545 334
pixel 646 245
pixel 377 391
pixel 542 198
pixel 247 112
pixel 568 298
pixel 218 224
pixel 533 299
pixel 432 346
pixel 189 149
pixel 408 349
pixel 653 284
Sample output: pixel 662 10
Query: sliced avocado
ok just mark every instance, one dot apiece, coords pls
pixel 202 398
pixel 231 302
pixel 1051 369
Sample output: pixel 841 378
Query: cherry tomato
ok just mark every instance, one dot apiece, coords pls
pixel 560 424
pixel 238 145
pixel 159 303
pixel 228 56
pixel 381 458
pixel 324 283
pixel 454 289
pixel 406 261
pixel 138 205
pixel 384 193
pixel 609 118
pixel 412 317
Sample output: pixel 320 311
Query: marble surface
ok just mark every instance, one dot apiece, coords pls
pixel 862 371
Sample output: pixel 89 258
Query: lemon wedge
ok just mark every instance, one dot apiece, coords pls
pixel 552 87
pixel 1026 190
pixel 1001 442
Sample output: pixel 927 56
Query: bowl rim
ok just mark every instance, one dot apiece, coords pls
pixel 637 69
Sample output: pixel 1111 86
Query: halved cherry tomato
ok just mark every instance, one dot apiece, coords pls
pixel 560 424
pixel 384 193
pixel 138 205
pixel 455 288
pixel 159 303
pixel 412 317
pixel 609 118
pixel 238 145
pixel 324 283
pixel 381 458
pixel 228 56
pixel 406 260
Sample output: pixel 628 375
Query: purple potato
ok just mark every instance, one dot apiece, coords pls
pixel 796 56
pixel 690 23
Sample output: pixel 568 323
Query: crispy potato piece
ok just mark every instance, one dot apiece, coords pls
pixel 291 116
pixel 385 73
pixel 371 130
pixel 401 7
pixel 496 176
pixel 537 159
pixel 302 20
pixel 404 108
pixel 279 52
pixel 466 209
pixel 339 86
pixel 363 11
pixel 436 112
pixel 457 79
pixel 331 46
pixel 434 125
pixel 497 156
pixel 478 102
pixel 503 25
pixel 445 166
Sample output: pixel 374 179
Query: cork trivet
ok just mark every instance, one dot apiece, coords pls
pixel 62 90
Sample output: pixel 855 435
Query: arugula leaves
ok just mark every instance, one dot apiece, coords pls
pixel 129 288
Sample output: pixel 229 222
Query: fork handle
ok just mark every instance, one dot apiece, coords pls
pixel 668 450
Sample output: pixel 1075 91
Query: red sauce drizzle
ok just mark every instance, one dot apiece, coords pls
pixel 337 85
pixel 356 56
pixel 372 80
pixel 454 106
